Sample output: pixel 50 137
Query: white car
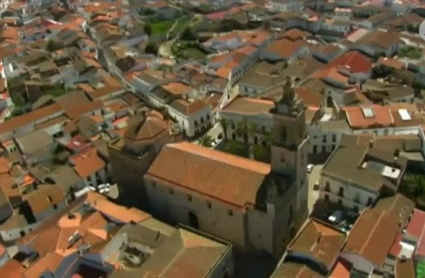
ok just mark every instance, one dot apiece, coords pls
pixel 310 168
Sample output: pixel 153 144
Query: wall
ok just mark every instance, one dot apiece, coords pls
pixel 317 134
pixel 14 234
pixel 351 193
pixel 49 212
pixel 224 266
pixel 174 204
pixel 261 120
pixel 358 262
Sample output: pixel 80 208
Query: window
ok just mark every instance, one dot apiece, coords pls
pixel 208 117
pixel 202 120
pixel 255 140
pixel 196 124
pixel 189 197
pixel 327 186
pixel 55 206
pixel 341 192
pixel 283 134
pixel 339 202
pixel 314 149
pixel 324 139
pixel 233 136
pixel 209 205
pixel 230 212
pixel 326 198
pixel 263 130
pixel 171 192
pixel 334 138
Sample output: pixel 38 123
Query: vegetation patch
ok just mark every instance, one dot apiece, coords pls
pixel 160 27
pixel 410 52
pixel 56 91
pixel 188 50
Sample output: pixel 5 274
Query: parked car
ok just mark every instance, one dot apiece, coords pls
pixel 310 168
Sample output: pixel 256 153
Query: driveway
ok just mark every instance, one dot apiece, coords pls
pixel 313 195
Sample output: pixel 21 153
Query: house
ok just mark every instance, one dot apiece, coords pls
pixel 129 230
pixel 316 246
pixel 90 167
pixel 36 147
pixel 193 117
pixel 25 123
pixel 369 243
pixel 66 178
pixel 358 182
pixel 375 43
pixel 45 201
pixel 285 6
pixel 285 50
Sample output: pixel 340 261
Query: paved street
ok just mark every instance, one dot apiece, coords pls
pixel 313 195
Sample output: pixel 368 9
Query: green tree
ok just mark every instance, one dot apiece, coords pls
pixel 147 29
pixel 224 124
pixel 51 46
pixel 206 141
pixel 188 34
pixel 246 129
pixel 414 186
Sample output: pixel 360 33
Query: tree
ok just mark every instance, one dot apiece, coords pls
pixel 414 186
pixel 206 141
pixel 187 34
pixel 224 124
pixel 227 25
pixel 151 48
pixel 51 46
pixel 147 29
pixel 246 129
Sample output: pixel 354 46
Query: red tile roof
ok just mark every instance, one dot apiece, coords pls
pixel 211 173
pixel 380 116
pixel 416 225
pixel 353 60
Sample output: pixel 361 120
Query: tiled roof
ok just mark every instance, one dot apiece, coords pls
pixel 353 60
pixel 369 116
pixel 319 241
pixel 416 224
pixel 87 163
pixel 19 121
pixel 244 105
pixel 211 173
pixel 44 197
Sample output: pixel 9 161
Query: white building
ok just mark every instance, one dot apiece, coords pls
pixel 354 176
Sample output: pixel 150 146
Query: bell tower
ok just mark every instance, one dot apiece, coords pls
pixel 289 148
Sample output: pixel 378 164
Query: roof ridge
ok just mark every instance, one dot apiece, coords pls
pixel 371 233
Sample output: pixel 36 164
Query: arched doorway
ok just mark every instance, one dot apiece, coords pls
pixel 193 220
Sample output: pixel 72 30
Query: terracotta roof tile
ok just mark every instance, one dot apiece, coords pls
pixel 30 117
pixel 50 262
pixel 44 197
pixel 104 92
pixel 320 241
pixel 87 163
pixel 231 179
pixel 369 116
